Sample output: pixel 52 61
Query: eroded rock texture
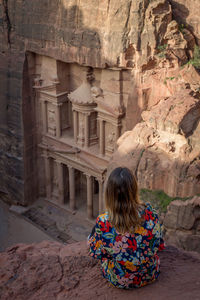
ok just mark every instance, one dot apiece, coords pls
pixel 186 13
pixel 163 150
pixel 182 224
pixel 52 271
pixel 145 37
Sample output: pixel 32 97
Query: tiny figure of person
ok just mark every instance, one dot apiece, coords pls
pixel 128 236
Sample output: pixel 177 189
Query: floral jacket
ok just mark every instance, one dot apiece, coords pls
pixel 128 260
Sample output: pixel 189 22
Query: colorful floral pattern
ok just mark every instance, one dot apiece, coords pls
pixel 128 260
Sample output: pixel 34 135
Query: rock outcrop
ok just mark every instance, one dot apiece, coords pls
pixel 182 224
pixel 185 12
pixel 50 270
pixel 163 150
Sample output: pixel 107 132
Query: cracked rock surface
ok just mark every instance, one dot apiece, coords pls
pixel 50 270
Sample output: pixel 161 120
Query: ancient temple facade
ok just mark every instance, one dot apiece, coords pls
pixel 79 115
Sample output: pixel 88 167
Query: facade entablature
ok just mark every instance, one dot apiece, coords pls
pixel 73 155
pixel 109 117
pixel 77 161
pixel 53 98
pixel 87 109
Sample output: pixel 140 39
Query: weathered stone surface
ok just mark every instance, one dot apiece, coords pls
pixel 50 270
pixel 185 12
pixel 174 116
pixel 81 29
pixel 163 158
pixel 182 222
pixel 181 214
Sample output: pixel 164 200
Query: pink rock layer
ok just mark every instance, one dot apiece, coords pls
pixel 50 270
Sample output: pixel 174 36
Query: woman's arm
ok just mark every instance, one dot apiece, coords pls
pixel 95 242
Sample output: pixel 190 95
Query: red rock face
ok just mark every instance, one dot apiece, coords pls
pixel 163 150
pixel 144 37
pixel 50 270
pixel 182 224
pixel 185 12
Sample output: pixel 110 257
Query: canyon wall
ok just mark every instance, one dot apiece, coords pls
pixel 141 36
pixel 185 12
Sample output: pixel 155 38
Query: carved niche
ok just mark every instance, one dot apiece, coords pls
pixel 85 117
pixel 55 108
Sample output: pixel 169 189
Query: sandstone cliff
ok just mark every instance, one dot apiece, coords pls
pixel 163 148
pixel 153 39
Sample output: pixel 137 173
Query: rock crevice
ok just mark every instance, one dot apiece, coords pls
pixel 7 21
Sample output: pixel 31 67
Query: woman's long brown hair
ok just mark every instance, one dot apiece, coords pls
pixel 122 200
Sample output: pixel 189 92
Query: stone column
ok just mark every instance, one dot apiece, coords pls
pixel 102 136
pixel 48 176
pixel 86 130
pixel 75 118
pixel 60 182
pixel 101 200
pixel 44 116
pixel 118 129
pixel 89 196
pixel 58 121
pixel 72 202
pixel 68 113
pixel 117 135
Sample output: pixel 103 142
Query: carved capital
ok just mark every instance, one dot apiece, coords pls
pixel 70 167
pixel 59 104
pixel 87 114
pixel 100 180
pixel 88 175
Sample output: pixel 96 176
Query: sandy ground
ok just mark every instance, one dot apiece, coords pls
pixel 14 229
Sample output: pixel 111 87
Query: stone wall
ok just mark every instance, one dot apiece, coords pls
pixel 182 224
pixel 127 34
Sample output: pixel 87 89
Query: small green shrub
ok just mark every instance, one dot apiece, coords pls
pixel 195 61
pixel 168 78
pixel 162 50
pixel 181 28
pixel 158 199
pixel 162 47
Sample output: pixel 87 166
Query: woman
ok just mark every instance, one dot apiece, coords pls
pixel 127 237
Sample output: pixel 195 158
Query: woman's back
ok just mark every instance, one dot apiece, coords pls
pixel 128 259
pixel 128 236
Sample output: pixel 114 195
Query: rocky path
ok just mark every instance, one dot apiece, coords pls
pixel 50 270
pixel 14 229
pixel 41 221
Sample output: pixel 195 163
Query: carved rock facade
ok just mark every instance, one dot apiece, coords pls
pixel 75 76
pixel 76 132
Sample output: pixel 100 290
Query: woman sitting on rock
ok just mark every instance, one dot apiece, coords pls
pixel 127 237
